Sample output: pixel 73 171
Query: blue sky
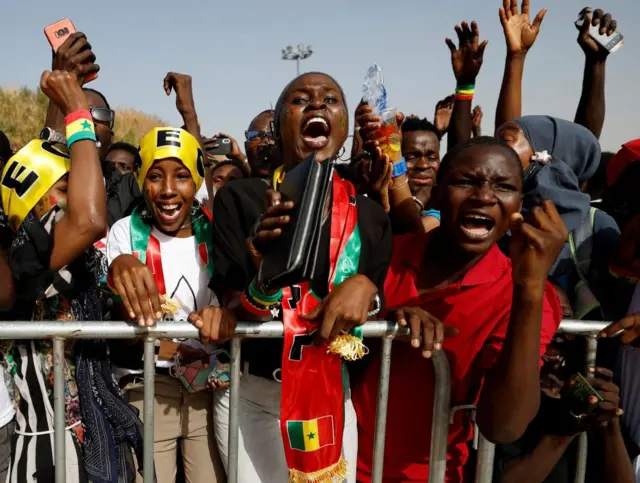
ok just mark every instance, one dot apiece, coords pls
pixel 232 50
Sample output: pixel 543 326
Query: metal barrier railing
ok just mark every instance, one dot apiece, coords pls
pixel 59 331
pixel 582 328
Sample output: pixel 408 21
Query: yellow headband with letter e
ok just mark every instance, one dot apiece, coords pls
pixel 27 177
pixel 170 142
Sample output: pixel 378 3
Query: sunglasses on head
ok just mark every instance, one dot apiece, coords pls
pixel 253 135
pixel 102 114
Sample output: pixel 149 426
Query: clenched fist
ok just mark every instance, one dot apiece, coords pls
pixel 63 89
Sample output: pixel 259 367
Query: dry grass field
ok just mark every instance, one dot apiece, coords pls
pixel 22 114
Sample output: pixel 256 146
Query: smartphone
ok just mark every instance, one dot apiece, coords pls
pixel 57 33
pixel 610 43
pixel 579 393
pixel 224 147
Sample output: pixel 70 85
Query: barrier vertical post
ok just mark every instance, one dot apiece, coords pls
pixel 234 401
pixel 440 418
pixel 591 343
pixel 381 411
pixel 59 410
pixel 484 461
pixel 148 407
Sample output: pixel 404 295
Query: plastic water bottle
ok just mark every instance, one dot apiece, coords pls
pixel 373 90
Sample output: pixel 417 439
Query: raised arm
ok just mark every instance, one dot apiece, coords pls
pixel 85 219
pixel 520 35
pixel 182 84
pixel 510 395
pixel 591 108
pixel 466 61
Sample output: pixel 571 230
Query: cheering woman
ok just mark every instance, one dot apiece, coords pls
pixel 160 265
pixel 292 406
pixel 56 204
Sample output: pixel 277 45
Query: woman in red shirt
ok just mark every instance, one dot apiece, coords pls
pixel 498 312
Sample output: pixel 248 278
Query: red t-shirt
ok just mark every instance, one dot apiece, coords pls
pixel 478 306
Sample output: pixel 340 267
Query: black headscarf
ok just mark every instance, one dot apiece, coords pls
pixel 574 157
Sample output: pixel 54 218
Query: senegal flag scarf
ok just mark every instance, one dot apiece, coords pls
pixel 312 404
pixel 146 247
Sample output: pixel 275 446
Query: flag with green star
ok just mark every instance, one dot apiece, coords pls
pixel 311 435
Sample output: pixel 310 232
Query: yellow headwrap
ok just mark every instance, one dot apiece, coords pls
pixel 171 142
pixel 27 177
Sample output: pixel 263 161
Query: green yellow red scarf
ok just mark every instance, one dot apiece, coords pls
pixel 312 404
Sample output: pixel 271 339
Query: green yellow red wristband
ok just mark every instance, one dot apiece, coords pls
pixel 465 92
pixel 79 127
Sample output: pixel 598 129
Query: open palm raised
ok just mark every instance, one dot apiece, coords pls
pixel 466 60
pixel 519 32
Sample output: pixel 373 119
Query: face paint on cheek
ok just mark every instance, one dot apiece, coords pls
pixel 150 193
pixel 343 121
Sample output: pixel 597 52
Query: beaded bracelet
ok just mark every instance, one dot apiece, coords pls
pixel 465 92
pixel 252 308
pixel 79 127
pixel 261 298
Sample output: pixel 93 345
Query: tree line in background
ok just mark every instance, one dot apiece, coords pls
pixel 23 111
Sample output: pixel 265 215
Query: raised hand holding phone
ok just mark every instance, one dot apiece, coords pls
pixel 598 37
pixel 71 51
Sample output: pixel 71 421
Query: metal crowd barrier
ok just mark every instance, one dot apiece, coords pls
pixel 59 331
pixel 582 328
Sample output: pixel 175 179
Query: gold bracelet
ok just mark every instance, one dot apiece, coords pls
pixel 398 185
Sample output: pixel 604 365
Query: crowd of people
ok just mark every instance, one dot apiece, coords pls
pixel 479 254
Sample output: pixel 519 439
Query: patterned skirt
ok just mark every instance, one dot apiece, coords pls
pixel 32 459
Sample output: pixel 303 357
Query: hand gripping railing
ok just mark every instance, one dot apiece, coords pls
pixel 583 328
pixel 59 331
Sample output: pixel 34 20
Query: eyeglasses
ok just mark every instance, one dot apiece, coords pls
pixel 102 114
pixel 258 135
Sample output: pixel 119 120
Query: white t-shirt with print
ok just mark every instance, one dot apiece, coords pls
pixel 185 277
